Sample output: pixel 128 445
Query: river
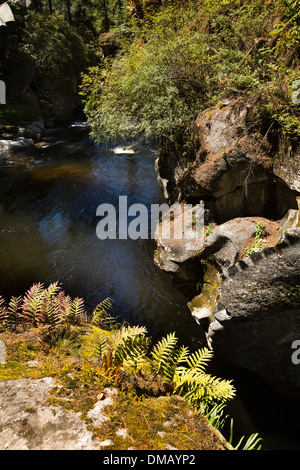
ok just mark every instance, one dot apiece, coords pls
pixel 48 201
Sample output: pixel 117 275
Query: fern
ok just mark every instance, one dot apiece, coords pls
pixel 77 310
pixel 3 310
pixel 199 359
pixel 132 353
pixel 198 387
pixel 13 312
pixel 130 347
pixel 100 315
pixel 129 332
pixel 31 307
pixel 100 345
pixel 50 311
pixel 163 356
pixel 10 316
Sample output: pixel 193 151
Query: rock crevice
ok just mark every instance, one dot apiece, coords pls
pixel 243 285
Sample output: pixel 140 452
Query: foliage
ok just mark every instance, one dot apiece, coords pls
pixel 125 351
pixel 253 442
pixel 43 306
pixel 257 245
pixel 128 350
pixel 154 89
pixel 100 315
pixel 53 44
pixel 53 329
pixel 185 57
pixel 215 415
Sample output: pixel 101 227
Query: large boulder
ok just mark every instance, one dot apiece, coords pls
pixel 257 320
pixel 232 169
pixel 233 172
pixel 245 294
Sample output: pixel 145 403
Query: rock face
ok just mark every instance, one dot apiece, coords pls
pixel 27 422
pixel 244 289
pixel 231 172
pixel 258 316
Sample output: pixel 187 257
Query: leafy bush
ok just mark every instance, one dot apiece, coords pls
pixel 128 351
pixel 53 44
pixel 155 88
pixel 125 351
pixel 187 57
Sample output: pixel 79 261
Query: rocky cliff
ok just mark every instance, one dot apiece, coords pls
pixel 243 284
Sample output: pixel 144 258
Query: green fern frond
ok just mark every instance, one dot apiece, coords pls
pixel 183 355
pixel 31 307
pixel 163 355
pixel 77 310
pixel 199 359
pixel 197 386
pixel 132 351
pixel 129 332
pixel 100 315
pixel 170 366
pixel 130 347
pixel 100 346
pixel 12 315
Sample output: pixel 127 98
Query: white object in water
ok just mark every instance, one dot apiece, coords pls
pixel 123 150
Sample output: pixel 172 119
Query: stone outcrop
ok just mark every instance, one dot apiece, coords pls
pixel 258 316
pixel 231 172
pixel 29 422
pixel 245 294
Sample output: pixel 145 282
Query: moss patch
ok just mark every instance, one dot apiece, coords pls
pixel 133 420
pixel 209 296
pixel 158 424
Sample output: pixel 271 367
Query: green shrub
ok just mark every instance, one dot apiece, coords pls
pixel 185 58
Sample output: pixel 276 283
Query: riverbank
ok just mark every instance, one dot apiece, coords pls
pixel 59 392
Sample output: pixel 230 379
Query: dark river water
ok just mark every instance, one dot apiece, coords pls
pixel 48 201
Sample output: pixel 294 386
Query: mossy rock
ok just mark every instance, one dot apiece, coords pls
pixel 164 423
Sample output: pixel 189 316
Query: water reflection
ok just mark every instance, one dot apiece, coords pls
pixel 48 202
